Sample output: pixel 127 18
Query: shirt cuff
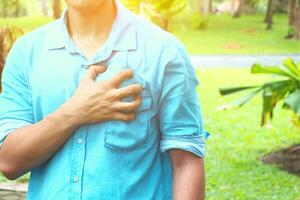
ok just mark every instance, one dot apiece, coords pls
pixel 9 125
pixel 192 143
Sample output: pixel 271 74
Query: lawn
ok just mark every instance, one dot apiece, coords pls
pixel 224 35
pixel 246 35
pixel 237 142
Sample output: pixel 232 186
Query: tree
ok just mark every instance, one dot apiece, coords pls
pixel 9 8
pixel 44 7
pixel 208 6
pixel 297 24
pixel 240 9
pixel 160 12
pixel 294 18
pixel 134 5
pixel 5 4
pixel 202 6
pixel 17 10
pixel 292 11
pixel 165 10
pixel 8 36
pixel 269 15
pixel 56 9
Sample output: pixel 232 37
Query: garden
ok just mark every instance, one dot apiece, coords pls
pixel 252 113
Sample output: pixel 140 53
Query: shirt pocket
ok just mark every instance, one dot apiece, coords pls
pixel 121 135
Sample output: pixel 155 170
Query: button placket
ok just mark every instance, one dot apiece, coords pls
pixel 78 159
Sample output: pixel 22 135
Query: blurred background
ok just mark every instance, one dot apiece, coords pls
pixel 235 45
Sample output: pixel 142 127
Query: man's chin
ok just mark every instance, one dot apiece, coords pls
pixel 84 5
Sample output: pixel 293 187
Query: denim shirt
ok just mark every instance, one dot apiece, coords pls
pixel 113 159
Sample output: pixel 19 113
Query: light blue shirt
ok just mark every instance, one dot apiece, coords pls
pixel 110 160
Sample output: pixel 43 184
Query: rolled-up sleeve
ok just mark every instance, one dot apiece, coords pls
pixel 15 99
pixel 180 116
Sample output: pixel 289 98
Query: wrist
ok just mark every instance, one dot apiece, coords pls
pixel 67 116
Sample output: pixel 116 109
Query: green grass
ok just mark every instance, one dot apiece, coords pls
pixel 237 142
pixel 224 35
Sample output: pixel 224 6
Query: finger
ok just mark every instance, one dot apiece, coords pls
pixel 124 116
pixel 129 107
pixel 93 72
pixel 123 75
pixel 131 90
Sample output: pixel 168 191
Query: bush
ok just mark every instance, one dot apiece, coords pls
pixel 200 21
pixel 286 89
pixel 8 35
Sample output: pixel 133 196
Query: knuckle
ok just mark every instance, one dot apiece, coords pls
pixel 129 72
pixel 131 116
pixel 136 104
pixel 139 87
pixel 130 107
pixel 110 116
pixel 113 95
pixel 131 89
pixel 121 117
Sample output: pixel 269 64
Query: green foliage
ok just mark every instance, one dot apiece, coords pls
pixel 133 5
pixel 12 8
pixel 287 89
pixel 160 12
pixel 200 21
pixel 8 35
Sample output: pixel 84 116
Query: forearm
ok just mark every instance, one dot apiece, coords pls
pixel 30 146
pixel 188 177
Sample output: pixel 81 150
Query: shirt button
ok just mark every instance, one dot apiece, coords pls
pixel 79 141
pixel 75 179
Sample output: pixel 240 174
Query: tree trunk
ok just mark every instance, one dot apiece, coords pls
pixel 207 7
pixel 297 24
pixel 239 11
pixel 210 6
pixel 165 23
pixel 44 7
pixel 4 9
pixel 269 15
pixel 17 11
pixel 292 11
pixel 56 9
pixel 197 5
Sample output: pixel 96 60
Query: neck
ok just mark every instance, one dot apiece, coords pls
pixel 93 23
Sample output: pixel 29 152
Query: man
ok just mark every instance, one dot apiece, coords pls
pixel 101 104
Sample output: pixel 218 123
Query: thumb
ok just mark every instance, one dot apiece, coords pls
pixel 94 71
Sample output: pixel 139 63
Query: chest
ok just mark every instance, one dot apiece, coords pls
pixel 55 75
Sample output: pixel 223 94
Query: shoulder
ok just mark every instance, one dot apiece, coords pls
pixel 38 35
pixel 155 37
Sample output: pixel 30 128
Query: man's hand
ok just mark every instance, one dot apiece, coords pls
pixel 97 102
pixel 188 175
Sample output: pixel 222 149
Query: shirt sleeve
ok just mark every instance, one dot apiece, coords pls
pixel 180 117
pixel 15 99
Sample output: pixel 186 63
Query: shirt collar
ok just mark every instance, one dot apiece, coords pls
pixel 122 36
